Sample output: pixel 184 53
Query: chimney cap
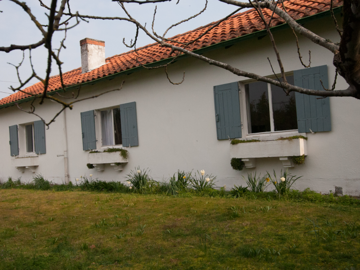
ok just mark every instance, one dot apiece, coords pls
pixel 92 41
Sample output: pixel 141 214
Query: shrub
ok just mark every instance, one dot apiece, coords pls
pixel 237 164
pixel 98 185
pixel 283 184
pixel 298 159
pixel 63 187
pixel 238 191
pixel 11 184
pixel 40 183
pixel 257 183
pixel 123 152
pixel 235 141
pixel 90 166
pixel 201 181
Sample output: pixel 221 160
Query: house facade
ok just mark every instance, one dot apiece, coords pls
pixel 191 126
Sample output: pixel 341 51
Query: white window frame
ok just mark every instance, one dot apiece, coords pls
pixel 245 116
pixel 23 142
pixel 98 128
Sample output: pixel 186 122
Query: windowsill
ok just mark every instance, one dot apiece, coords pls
pixel 272 136
pixel 105 147
pixel 28 155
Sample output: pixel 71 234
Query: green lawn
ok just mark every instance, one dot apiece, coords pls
pixel 84 230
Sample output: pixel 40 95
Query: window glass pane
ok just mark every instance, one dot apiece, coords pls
pixel 107 133
pixel 29 138
pixel 258 103
pixel 117 126
pixel 284 107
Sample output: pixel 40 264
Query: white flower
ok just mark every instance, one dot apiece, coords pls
pixel 282 179
pixel 77 179
pixel 207 179
pixel 128 182
pixel 90 175
pixel 130 187
pixel 202 172
pixel 138 171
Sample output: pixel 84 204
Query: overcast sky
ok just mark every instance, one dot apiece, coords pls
pixel 17 28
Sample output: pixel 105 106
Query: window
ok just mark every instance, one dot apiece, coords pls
pixel 266 108
pixel 27 138
pixel 269 108
pixel 111 127
pixel 115 126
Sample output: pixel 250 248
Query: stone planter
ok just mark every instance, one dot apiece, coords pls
pixel 22 163
pixel 282 149
pixel 99 160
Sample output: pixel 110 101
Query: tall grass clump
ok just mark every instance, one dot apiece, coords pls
pixel 90 184
pixel 257 183
pixel 140 181
pixel 238 191
pixel 40 183
pixel 64 187
pixel 284 182
pixel 179 182
pixel 10 183
pixel 201 181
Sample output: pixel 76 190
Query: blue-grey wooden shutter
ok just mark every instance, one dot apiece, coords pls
pixel 313 112
pixel 227 111
pixel 14 141
pixel 88 130
pixel 129 129
pixel 39 137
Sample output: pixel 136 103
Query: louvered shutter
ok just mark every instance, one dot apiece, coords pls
pixel 227 111
pixel 39 137
pixel 14 141
pixel 313 112
pixel 88 130
pixel 129 129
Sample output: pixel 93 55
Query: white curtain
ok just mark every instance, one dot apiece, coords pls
pixel 107 128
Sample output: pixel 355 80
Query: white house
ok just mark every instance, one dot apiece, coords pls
pixel 190 126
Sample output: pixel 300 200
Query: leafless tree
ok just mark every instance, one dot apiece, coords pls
pixel 61 18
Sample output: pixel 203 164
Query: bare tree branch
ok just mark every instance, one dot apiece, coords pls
pixel 351 91
pixel 299 53
pixel 13 47
pixel 143 1
pixel 334 19
pixel 291 22
pixel 267 26
pixel 186 20
pixel 346 60
pixel 48 45
pixel 173 83
pixel 334 84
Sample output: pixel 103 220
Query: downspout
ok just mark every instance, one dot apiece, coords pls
pixel 66 159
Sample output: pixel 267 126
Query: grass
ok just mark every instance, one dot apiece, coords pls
pixel 92 230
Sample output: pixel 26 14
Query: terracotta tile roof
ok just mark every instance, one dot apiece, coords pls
pixel 236 26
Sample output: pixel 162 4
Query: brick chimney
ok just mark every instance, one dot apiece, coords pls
pixel 92 54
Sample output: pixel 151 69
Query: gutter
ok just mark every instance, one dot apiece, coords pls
pixel 66 151
pixel 227 43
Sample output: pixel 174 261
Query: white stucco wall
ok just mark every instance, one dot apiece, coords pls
pixel 176 124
